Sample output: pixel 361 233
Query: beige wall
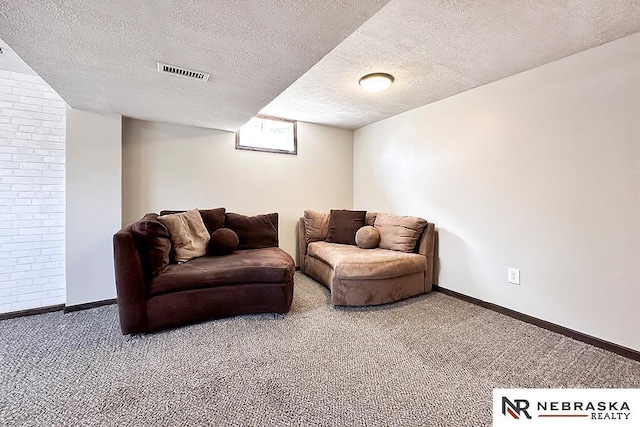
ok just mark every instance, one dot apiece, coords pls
pixel 539 171
pixel 169 166
pixel 93 203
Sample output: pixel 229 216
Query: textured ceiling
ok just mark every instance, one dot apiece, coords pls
pixel 439 48
pixel 270 56
pixel 10 61
pixel 101 55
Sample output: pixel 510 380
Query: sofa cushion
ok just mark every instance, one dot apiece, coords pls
pixel 153 240
pixel 188 234
pixel 212 218
pixel 352 262
pixel 370 218
pixel 367 237
pixel 343 225
pixel 267 265
pixel 399 233
pixel 316 225
pixel 254 232
pixel 223 241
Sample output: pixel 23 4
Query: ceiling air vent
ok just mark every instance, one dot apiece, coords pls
pixel 184 72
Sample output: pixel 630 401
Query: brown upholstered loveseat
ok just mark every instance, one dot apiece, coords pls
pixel 155 292
pixel 357 276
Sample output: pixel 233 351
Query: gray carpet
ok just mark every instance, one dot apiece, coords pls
pixel 431 360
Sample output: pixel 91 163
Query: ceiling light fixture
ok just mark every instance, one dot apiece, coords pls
pixel 376 82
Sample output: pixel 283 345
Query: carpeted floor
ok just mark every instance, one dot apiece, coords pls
pixel 428 361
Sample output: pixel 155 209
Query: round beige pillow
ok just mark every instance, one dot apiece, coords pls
pixel 367 237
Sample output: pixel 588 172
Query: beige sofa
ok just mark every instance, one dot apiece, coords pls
pixel 358 277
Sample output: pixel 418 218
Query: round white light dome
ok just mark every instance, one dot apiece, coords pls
pixel 376 82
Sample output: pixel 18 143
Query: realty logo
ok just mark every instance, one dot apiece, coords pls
pixel 572 407
pixel 516 408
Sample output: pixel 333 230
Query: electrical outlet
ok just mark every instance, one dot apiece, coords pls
pixel 513 275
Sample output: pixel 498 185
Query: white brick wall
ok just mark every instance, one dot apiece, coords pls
pixel 32 202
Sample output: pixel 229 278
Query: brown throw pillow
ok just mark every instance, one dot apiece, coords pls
pixel 343 225
pixel 367 237
pixel 212 218
pixel 188 234
pixel 399 233
pixel 153 240
pixel 223 241
pixel 254 232
pixel 316 225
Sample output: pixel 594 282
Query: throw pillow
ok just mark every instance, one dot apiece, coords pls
pixel 399 233
pixel 212 218
pixel 223 241
pixel 316 225
pixel 254 232
pixel 367 237
pixel 188 234
pixel 153 241
pixel 343 225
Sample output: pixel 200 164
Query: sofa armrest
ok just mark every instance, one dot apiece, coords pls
pixel 130 284
pixel 302 244
pixel 426 247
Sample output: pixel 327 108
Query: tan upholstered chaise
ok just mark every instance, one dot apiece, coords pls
pixel 358 277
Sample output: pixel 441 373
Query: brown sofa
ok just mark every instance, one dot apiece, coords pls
pixel 154 292
pixel 358 277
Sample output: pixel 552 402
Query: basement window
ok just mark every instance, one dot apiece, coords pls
pixel 270 134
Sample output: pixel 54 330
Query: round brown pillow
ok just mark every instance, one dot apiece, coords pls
pixel 367 237
pixel 223 241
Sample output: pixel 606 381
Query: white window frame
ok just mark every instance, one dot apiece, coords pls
pixel 294 151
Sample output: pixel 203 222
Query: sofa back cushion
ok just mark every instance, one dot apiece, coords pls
pixel 212 218
pixel 188 234
pixel 152 239
pixel 399 233
pixel 343 226
pixel 370 218
pixel 316 225
pixel 254 232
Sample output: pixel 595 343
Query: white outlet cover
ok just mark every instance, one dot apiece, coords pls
pixel 513 275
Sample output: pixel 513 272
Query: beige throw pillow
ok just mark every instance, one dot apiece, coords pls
pixel 367 237
pixel 188 234
pixel 316 225
pixel 399 233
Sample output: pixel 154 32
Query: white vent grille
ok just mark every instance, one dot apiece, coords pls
pixel 183 72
